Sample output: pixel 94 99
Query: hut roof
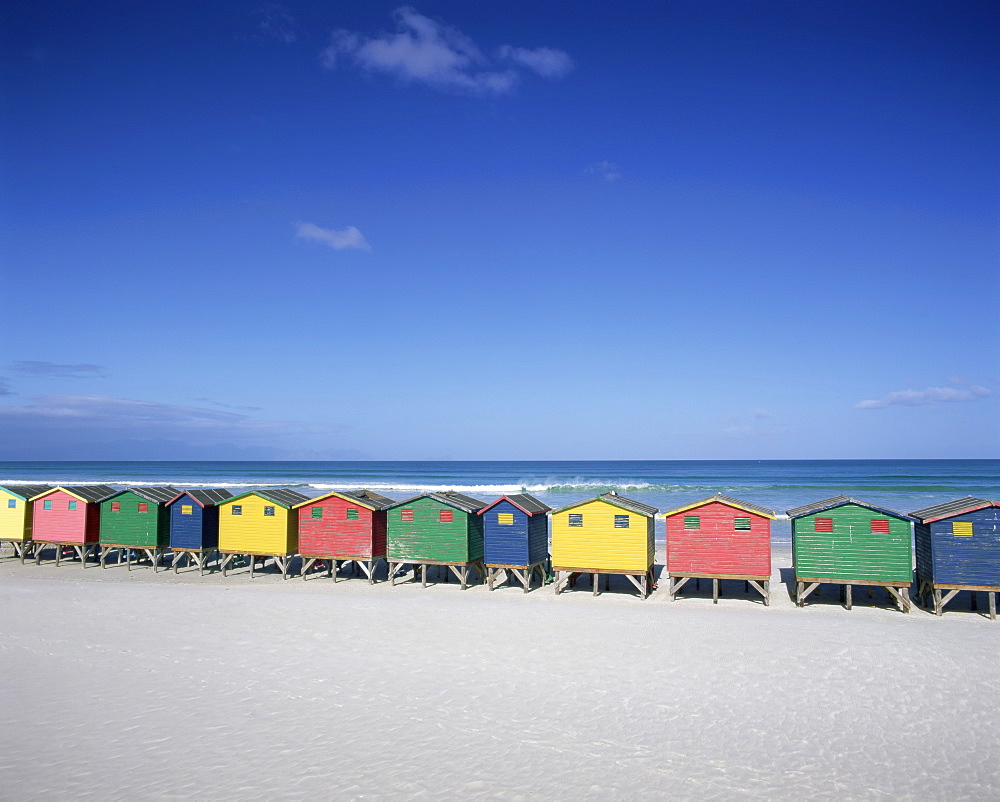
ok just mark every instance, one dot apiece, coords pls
pixel 25 491
pixel 721 499
pixel 840 501
pixel 160 494
pixel 449 497
pixel 281 496
pixel 86 493
pixel 951 508
pixel 525 502
pixel 616 500
pixel 365 498
pixel 207 497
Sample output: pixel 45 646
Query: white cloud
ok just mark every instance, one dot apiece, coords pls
pixel 55 370
pixel 277 23
pixel 927 397
pixel 349 237
pixel 609 171
pixel 425 51
pixel 546 61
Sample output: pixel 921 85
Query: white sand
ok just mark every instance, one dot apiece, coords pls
pixel 129 685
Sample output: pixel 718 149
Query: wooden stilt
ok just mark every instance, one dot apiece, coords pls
pixel 715 591
pixel 847 595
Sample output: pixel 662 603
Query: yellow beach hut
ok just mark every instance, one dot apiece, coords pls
pixel 15 516
pixel 608 534
pixel 260 525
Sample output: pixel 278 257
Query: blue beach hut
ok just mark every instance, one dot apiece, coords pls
pixel 194 525
pixel 516 539
pixel 958 548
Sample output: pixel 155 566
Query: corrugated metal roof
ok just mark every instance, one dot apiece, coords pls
pixel 722 499
pixel 89 492
pixel 525 501
pixel 206 497
pixel 616 500
pixel 26 491
pixel 279 495
pixel 369 499
pixel 450 497
pixel 159 494
pixel 950 508
pixel 838 501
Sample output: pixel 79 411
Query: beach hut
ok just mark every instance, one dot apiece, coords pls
pixel 15 516
pixel 958 548
pixel 515 539
pixel 847 542
pixel 436 529
pixel 67 517
pixel 136 520
pixel 194 526
pixel 608 534
pixel 260 525
pixel 347 526
pixel 719 538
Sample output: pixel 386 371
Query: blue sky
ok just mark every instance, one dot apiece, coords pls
pixel 545 230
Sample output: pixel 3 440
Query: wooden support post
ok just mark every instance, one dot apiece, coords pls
pixel 847 596
pixel 937 602
pixel 715 591
pixel 992 597
pixel 423 575
pixel 594 580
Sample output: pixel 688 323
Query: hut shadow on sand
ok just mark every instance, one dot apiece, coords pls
pixel 828 594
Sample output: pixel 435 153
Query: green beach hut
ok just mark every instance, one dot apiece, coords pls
pixel 847 542
pixel 436 529
pixel 136 520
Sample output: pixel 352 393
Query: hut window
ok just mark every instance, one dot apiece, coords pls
pixel 47 505
pixel 822 524
pixel 116 506
pixel 143 506
pixel 505 518
pixel 446 516
pixel 352 513
pixel 621 522
pixel 237 509
pixel 72 505
pixel 11 503
pixel 187 509
pixel 269 511
pixel 316 512
pixel 741 524
pixel 406 515
pixel 962 528
pixel 880 525
pixel 576 519
pixel 692 522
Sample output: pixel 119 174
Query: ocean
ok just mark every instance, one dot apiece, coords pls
pixel 901 485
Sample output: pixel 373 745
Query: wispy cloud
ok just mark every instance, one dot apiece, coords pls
pixel 52 369
pixel 339 240
pixel 277 23
pixel 927 397
pixel 609 171
pixel 227 406
pixel 5 387
pixel 425 51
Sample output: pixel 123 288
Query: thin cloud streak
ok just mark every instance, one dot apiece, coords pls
pixel 339 240
pixel 428 52
pixel 928 397
pixel 55 370
pixel 609 171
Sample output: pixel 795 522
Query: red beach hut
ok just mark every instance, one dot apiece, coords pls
pixel 719 538
pixel 68 517
pixel 343 527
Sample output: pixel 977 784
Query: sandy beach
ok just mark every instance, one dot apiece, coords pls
pixel 129 685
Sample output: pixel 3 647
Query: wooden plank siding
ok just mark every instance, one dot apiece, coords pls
pixel 60 524
pixel 598 544
pixel 253 532
pixel 337 534
pixel 193 526
pixel 426 537
pixel 949 557
pixel 126 525
pixel 852 551
pixel 717 547
pixel 524 541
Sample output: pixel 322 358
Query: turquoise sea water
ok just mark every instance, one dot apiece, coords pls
pixel 902 485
